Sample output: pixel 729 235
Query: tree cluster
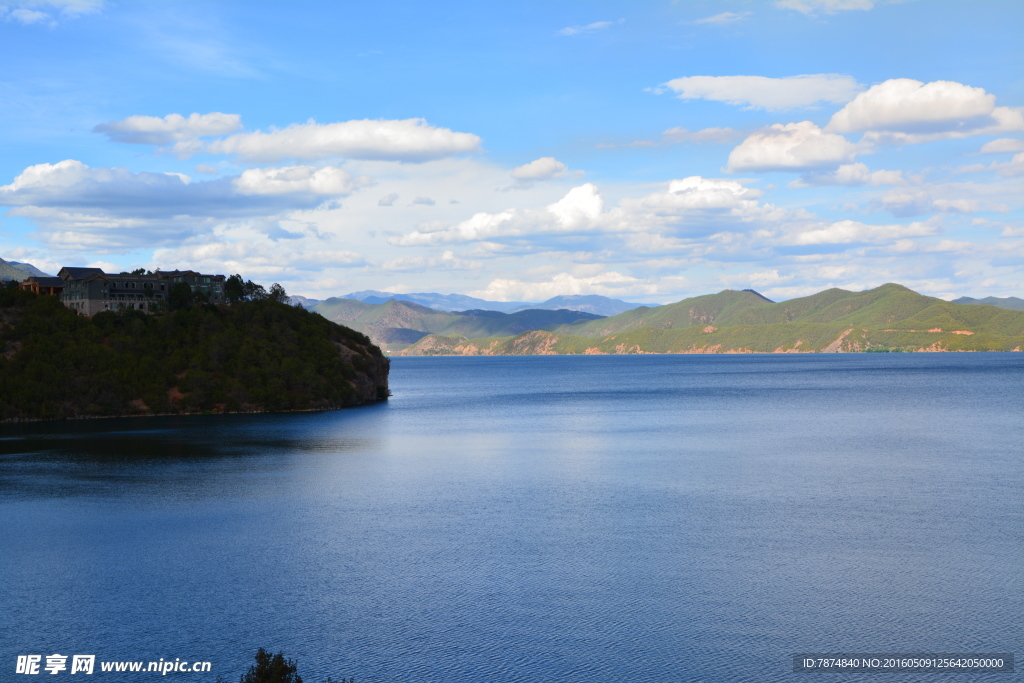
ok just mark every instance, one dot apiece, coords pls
pixel 236 289
pixel 276 669
pixel 257 355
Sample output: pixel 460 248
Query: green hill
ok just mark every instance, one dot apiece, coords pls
pixel 248 357
pixel 1011 302
pixel 887 318
pixel 14 270
pixel 395 324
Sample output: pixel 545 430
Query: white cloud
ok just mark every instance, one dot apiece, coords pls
pixel 825 6
pixel 694 194
pixel 612 284
pixel 424 201
pixel 761 92
pixel 723 18
pixel 153 130
pixel 395 140
pixel 847 232
pixel 905 111
pixel 791 147
pixel 540 169
pixel 242 250
pixel 587 28
pixel 576 211
pixel 851 175
pixel 690 206
pixel 114 208
pixel 388 200
pixel 917 200
pixel 704 136
pixel 27 16
pixel 1003 145
pixel 38 11
pixel 447 260
pixel 1013 167
pixel 299 179
pixel 677 135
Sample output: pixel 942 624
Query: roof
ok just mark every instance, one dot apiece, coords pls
pixel 179 273
pixel 69 273
pixel 46 281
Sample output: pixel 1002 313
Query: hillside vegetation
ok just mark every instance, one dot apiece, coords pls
pixel 1011 302
pixel 13 270
pixel 887 318
pixel 394 324
pixel 251 356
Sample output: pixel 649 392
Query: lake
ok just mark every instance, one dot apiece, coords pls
pixel 622 518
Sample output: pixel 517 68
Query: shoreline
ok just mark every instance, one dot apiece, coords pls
pixel 22 420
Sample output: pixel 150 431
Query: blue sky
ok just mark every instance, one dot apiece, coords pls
pixel 516 151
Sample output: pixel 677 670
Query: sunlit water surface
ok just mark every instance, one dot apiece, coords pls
pixel 652 518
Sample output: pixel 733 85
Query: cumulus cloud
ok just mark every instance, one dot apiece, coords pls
pixel 723 18
pixel 612 284
pixel 812 7
pixel 153 130
pixel 851 175
pixel 850 232
pixel 693 194
pixel 327 180
pixel 411 140
pixel 761 92
pixel 243 250
pixel 791 147
pixel 577 210
pixel 905 111
pixel 540 169
pixel 388 199
pixel 1003 145
pixel 586 28
pixel 915 201
pixel 689 206
pixel 424 201
pixel 116 208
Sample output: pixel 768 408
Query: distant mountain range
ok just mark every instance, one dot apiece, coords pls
pixel 15 270
pixel 887 318
pixel 394 325
pixel 1010 302
pixel 592 303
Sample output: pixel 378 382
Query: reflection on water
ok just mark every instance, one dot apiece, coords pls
pixel 538 519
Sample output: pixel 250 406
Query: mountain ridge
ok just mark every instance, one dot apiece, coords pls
pixel 395 324
pixel 1012 303
pixel 453 303
pixel 887 318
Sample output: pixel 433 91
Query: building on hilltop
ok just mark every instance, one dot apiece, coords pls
pixel 90 291
pixel 53 286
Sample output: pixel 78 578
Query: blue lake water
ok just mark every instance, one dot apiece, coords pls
pixel 642 518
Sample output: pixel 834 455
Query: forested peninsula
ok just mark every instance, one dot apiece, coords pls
pixel 250 356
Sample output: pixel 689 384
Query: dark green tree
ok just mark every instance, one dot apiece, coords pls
pixel 254 292
pixel 234 289
pixel 180 296
pixel 277 293
pixel 271 669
